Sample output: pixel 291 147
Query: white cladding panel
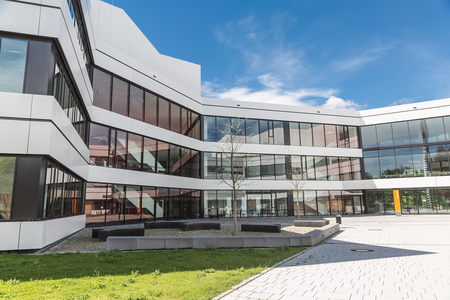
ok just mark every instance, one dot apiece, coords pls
pixel 9 235
pixel 14 105
pixel 28 22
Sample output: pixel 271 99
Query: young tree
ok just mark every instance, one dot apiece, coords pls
pixel 234 164
pixel 294 175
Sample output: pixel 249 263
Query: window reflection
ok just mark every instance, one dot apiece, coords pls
pixel 7 168
pixel 13 54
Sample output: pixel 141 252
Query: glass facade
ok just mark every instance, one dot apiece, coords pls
pixel 274 132
pixel 267 166
pixel 119 96
pixel 119 204
pixel 257 203
pixel 412 201
pixel 119 149
pixel 63 193
pixel 66 95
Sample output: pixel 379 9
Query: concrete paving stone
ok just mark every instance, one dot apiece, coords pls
pixel 410 261
pixel 259 296
pixel 245 294
pixel 228 297
pixel 340 296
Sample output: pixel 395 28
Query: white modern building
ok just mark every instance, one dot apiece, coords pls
pixel 98 127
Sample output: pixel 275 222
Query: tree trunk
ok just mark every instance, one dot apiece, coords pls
pixel 235 212
pixel 298 207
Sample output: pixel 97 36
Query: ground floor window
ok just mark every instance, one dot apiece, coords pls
pixel 412 201
pixel 119 204
pixel 7 167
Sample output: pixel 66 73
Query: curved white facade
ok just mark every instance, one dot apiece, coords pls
pixel 45 127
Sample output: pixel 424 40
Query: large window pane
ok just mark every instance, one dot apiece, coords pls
pixel 330 136
pixel 343 137
pixel 136 103
pixel 278 131
pixel 321 168
pixel 95 203
pixel 102 89
pixel 333 168
pixel 195 164
pixel 121 150
pixel 401 133
pixel 13 54
pixel 419 155
pixel 417 132
pixel 238 129
pixel 447 128
pixel 323 202
pixel 438 160
pixel 310 202
pixel 404 162
pixel 387 167
pixel 264 132
pixel 151 108
pixel 254 167
pixel 280 167
pixel 7 167
pixel 294 134
pixel 369 136
pixel 267 167
pixel 372 167
pixel 98 145
pixel 435 130
pixel 296 167
pixel 353 137
pixel 163 113
pixel 319 135
pixel 149 158
pixel 132 207
pixel 148 203
pixel 175 118
pixel 310 171
pixel 345 172
pixel 175 163
pixel 209 129
pixel 186 155
pixel 306 134
pixel 195 126
pixel 356 168
pixel 211 164
pixel 252 131
pixel 162 158
pixel 119 97
pixel 134 158
pixel 384 134
pixel 223 129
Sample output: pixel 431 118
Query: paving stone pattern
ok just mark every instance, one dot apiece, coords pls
pixel 410 260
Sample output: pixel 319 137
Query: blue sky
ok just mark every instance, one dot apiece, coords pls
pixel 336 54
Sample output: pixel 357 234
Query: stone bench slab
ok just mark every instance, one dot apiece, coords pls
pixel 311 223
pixel 128 243
pixel 105 233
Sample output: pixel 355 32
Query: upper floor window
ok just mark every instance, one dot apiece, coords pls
pixel 13 55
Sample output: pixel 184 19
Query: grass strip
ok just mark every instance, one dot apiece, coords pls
pixel 177 274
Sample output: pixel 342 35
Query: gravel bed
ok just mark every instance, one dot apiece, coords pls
pixel 83 242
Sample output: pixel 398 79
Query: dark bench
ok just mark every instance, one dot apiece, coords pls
pixel 95 231
pixel 163 224
pixel 261 227
pixel 200 226
pixel 104 233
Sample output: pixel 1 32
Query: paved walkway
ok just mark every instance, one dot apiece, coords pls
pixel 410 260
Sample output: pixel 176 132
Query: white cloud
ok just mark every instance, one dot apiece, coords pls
pixel 358 60
pixel 270 81
pixel 404 100
pixel 338 103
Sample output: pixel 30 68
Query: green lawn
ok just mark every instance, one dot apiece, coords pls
pixel 178 274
